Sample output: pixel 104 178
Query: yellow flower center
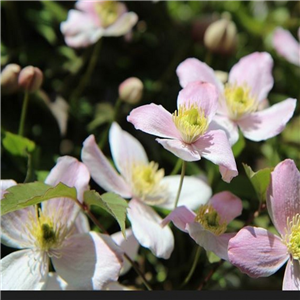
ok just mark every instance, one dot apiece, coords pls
pixel 292 237
pixel 239 101
pixel 209 218
pixel 191 122
pixel 146 183
pixel 108 12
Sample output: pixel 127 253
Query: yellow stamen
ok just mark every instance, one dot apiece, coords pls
pixel 292 236
pixel 108 12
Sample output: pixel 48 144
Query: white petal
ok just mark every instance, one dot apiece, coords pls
pixel 5 184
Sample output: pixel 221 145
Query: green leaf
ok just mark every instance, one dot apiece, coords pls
pixel 110 202
pixel 23 195
pixel 57 10
pixel 260 180
pixel 212 258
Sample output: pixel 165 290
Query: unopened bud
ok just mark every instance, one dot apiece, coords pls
pixel 221 36
pixel 30 79
pixel 9 79
pixel 131 90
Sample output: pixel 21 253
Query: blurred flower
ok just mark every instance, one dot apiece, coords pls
pixel 187 130
pixel 94 19
pixel 286 45
pixel 249 82
pixel 30 79
pixel 145 184
pixel 208 226
pixel 131 90
pixel 260 253
pixel 9 79
pixel 84 259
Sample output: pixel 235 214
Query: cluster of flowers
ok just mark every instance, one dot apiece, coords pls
pixel 205 125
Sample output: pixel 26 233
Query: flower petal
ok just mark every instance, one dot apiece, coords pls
pixel 286 45
pixel 202 94
pixel 227 205
pixel 146 227
pixel 267 123
pixel 192 69
pixel 89 261
pixel 215 147
pixel 5 184
pixel 101 170
pixel 116 286
pixel 257 252
pixel 194 192
pixel 24 270
pixel 255 70
pixel 81 223
pixel 154 119
pixel 291 280
pixel 283 194
pixel 55 283
pixel 126 150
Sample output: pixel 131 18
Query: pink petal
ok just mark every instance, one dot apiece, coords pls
pixel 4 185
pixel 146 227
pixel 154 119
pixel 101 170
pixel 192 69
pixel 181 216
pixel 227 205
pixel 89 7
pixel 180 149
pixel 204 95
pixel 291 280
pixel 81 224
pixel 286 45
pixel 56 283
pixel 283 194
pixel 215 147
pixel 256 71
pixel 89 261
pixel 126 150
pixel 257 252
pixel 267 123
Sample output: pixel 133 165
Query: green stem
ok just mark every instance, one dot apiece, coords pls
pixel 23 113
pixel 176 167
pixel 180 183
pixel 210 274
pixel 195 262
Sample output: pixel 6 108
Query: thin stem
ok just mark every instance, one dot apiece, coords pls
pixel 180 183
pixel 176 167
pixel 210 274
pixel 195 262
pixel 23 113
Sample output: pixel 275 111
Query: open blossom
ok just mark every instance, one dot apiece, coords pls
pixel 88 260
pixel 186 132
pixel 249 83
pixel 93 19
pixel 260 253
pixel 145 184
pixel 286 45
pixel 207 228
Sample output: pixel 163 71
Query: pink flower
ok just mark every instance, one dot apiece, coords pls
pixel 187 131
pixel 208 226
pixel 250 81
pixel 82 258
pixel 94 19
pixel 145 184
pixel 286 45
pixel 260 253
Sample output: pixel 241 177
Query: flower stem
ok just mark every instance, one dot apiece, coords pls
pixel 210 274
pixel 176 167
pixel 181 182
pixel 23 113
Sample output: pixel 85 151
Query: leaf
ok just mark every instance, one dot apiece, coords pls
pixel 110 202
pixel 260 180
pixel 23 195
pixel 212 258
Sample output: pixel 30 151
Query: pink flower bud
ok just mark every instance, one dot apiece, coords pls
pixel 30 79
pixel 9 79
pixel 131 90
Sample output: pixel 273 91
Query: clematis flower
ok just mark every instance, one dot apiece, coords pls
pixel 286 45
pixel 249 83
pixel 186 132
pixel 145 184
pixel 93 19
pixel 83 259
pixel 207 228
pixel 260 253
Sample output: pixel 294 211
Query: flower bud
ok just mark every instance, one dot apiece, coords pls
pixel 9 79
pixel 30 79
pixel 131 90
pixel 221 36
